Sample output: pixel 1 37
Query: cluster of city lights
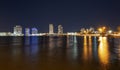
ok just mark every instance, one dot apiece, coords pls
pixel 18 31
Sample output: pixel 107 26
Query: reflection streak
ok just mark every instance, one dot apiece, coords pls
pixel 85 53
pixel 87 48
pixel 103 52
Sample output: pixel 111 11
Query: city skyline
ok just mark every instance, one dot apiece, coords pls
pixel 18 30
pixel 71 14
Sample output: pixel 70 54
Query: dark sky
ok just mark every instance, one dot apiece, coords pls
pixel 72 14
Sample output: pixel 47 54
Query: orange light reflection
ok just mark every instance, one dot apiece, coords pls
pixel 103 52
pixel 87 48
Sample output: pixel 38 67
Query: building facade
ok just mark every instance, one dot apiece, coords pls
pixel 17 30
pixel 60 29
pixel 51 29
pixel 27 31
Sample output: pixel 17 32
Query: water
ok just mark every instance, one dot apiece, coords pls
pixel 59 53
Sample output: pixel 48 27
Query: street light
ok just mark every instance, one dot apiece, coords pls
pixel 100 30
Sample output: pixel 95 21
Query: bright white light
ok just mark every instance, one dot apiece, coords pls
pixel 110 31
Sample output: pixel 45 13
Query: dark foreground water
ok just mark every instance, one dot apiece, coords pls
pixel 59 53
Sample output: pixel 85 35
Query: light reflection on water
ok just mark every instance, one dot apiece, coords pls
pixel 103 51
pixel 57 53
pixel 117 48
pixel 87 48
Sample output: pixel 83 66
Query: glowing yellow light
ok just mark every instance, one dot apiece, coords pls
pixel 103 50
pixel 84 31
pixel 104 27
pixel 100 30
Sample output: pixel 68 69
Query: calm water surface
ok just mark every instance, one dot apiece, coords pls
pixel 59 53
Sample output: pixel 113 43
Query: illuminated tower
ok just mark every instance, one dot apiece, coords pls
pixel 60 29
pixel 51 29
pixel 27 31
pixel 17 30
pixel 34 31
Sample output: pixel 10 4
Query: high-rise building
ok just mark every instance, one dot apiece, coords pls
pixel 17 30
pixel 51 29
pixel 34 31
pixel 60 29
pixel 27 31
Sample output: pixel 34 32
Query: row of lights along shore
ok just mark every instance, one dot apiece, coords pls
pixel 18 31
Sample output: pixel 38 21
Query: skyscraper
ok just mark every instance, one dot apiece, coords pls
pixel 27 31
pixel 17 30
pixel 60 29
pixel 51 29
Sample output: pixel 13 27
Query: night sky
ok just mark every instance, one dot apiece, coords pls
pixel 72 14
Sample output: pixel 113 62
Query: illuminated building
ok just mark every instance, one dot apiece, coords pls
pixel 17 30
pixel 83 30
pixel 60 29
pixel 27 31
pixel 91 30
pixel 51 29
pixel 34 31
pixel 86 31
